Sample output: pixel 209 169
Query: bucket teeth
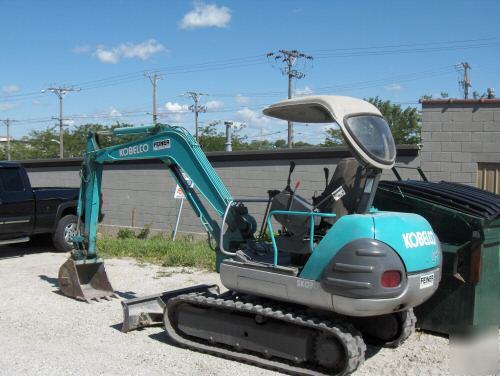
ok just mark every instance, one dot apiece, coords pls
pixel 85 280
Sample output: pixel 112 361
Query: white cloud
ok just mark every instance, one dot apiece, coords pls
pixel 10 89
pixel 176 107
pixel 251 117
pixel 114 112
pixel 81 49
pixel 241 99
pixel 206 15
pixel 7 106
pixel 106 56
pixel 69 122
pixel 393 87
pixel 142 51
pixel 302 92
pixel 214 105
pixel 176 112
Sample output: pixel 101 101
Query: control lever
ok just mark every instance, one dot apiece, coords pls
pixel 292 167
pixel 263 227
pixel 292 194
pixel 326 170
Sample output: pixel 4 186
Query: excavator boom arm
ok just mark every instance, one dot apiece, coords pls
pixel 175 147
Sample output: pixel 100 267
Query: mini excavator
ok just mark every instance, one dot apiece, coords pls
pixel 337 275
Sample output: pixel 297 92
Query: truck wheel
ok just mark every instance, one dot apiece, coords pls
pixel 65 230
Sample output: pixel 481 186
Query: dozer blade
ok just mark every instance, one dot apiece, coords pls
pixel 148 310
pixel 85 280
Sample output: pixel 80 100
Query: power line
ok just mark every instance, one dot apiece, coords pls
pixel 60 92
pixel 242 62
pixel 290 58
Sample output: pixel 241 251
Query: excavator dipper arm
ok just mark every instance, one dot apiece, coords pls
pixel 83 276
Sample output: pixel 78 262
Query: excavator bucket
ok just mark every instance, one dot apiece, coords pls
pixel 85 280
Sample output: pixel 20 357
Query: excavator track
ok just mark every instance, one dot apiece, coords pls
pixel 390 330
pixel 207 322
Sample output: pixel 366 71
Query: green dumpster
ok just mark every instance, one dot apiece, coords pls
pixel 467 222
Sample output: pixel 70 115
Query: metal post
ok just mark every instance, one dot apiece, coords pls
pixel 290 57
pixel 229 125
pixel 153 78
pixel 178 220
pixel 290 124
pixel 196 108
pixel 196 122
pixel 7 123
pixel 61 134
pixel 60 92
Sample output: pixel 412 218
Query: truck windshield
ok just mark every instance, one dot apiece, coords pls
pixel 373 135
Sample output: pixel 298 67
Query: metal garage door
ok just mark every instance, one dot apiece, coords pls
pixel 488 177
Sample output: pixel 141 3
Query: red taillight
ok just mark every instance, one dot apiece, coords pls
pixel 391 278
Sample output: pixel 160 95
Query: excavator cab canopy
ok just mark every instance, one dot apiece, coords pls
pixel 361 123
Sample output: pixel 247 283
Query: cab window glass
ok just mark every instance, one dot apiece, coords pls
pixel 11 180
pixel 374 136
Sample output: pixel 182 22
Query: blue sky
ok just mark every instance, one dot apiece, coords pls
pixel 219 47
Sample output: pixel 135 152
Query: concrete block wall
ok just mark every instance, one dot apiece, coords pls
pixel 143 194
pixel 457 135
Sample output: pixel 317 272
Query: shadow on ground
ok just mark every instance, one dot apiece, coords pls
pixel 55 283
pixel 371 351
pixel 39 244
pixel 164 338
pixel 126 294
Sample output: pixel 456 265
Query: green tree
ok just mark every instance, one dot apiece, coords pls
pixel 213 140
pixel 405 123
pixel 302 144
pixel 334 137
pixel 280 143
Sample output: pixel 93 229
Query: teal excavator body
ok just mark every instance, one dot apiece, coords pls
pixel 334 253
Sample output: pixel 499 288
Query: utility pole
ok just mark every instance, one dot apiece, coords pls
pixel 290 58
pixel 465 84
pixel 60 92
pixel 196 108
pixel 153 78
pixel 7 123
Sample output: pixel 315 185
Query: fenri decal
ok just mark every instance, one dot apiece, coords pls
pixel 161 144
pixel 419 239
pixel 132 150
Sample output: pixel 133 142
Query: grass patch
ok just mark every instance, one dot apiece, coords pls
pixel 160 251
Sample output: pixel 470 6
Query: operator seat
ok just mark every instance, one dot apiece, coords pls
pixel 359 184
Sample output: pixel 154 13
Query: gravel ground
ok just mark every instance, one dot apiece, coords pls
pixel 45 333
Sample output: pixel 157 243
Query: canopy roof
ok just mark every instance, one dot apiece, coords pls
pixel 361 123
pixel 320 109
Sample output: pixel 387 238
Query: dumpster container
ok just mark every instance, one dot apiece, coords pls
pixel 467 222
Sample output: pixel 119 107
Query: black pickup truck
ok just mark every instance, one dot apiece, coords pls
pixel 26 211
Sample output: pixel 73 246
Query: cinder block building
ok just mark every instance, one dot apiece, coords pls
pixel 461 141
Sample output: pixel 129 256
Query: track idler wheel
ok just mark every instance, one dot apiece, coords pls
pixel 330 353
pixel 387 330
